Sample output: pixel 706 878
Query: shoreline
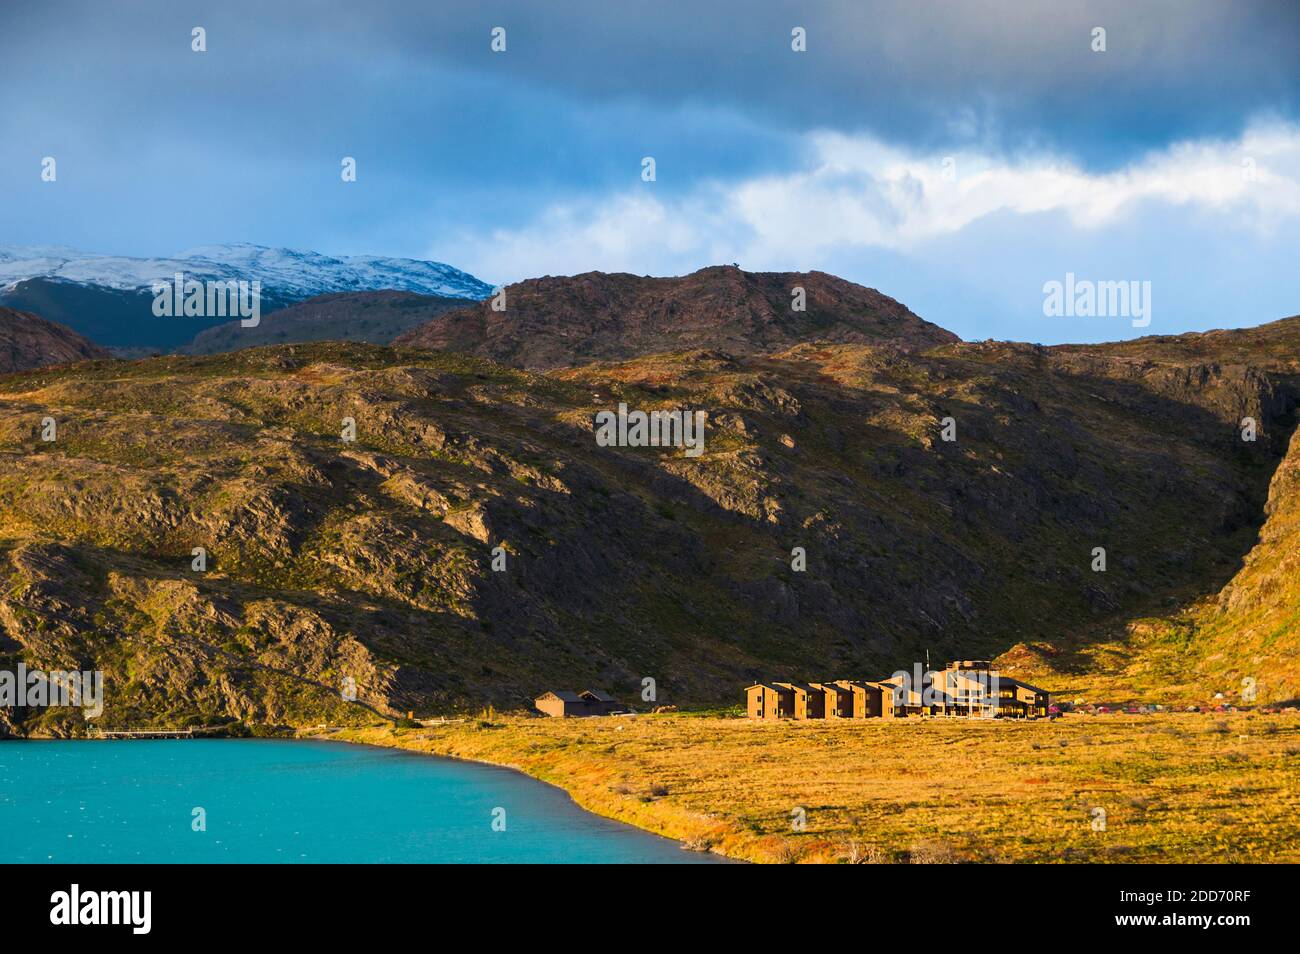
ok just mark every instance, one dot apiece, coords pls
pixel 564 825
pixel 515 769
pixel 1176 787
pixel 409 740
pixel 1185 787
pixel 373 739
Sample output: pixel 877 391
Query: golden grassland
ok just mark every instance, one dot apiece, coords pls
pixel 1222 787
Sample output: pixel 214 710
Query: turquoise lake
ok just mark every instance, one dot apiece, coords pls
pixel 291 802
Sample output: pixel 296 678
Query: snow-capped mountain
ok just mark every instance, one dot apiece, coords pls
pixel 108 298
pixel 285 273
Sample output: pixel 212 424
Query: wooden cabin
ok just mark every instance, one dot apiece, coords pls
pixel 870 700
pixel 837 700
pixel 808 702
pixel 767 700
pixel 561 703
pixel 599 702
pixel 880 699
pixel 968 687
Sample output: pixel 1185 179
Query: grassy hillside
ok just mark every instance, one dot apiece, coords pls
pixel 1174 788
pixel 1233 646
pixel 372 559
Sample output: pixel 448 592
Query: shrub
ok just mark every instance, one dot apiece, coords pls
pixel 858 853
pixel 933 852
pixel 785 853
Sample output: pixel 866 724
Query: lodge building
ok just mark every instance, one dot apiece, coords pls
pixel 965 688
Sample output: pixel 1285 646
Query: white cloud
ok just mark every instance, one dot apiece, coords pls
pixel 854 192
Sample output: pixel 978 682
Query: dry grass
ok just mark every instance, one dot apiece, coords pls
pixel 1173 787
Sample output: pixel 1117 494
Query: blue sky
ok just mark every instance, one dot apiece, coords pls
pixel 955 155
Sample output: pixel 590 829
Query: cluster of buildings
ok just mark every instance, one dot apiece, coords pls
pixel 965 688
pixel 969 688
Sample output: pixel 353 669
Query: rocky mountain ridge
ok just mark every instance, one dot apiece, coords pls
pixel 108 298
pixel 373 559
pixel 562 322
pixel 28 341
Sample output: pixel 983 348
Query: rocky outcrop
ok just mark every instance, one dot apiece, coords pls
pixel 1243 641
pixel 445 532
pixel 563 322
pixel 27 341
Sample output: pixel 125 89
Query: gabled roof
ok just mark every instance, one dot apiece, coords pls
pixel 564 695
pixel 763 685
pixel 891 683
pixel 1008 681
pixel 600 695
pixel 852 684
pixel 838 687
pixel 801 686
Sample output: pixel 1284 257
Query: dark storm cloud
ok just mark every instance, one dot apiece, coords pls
pixel 1004 73
pixel 459 148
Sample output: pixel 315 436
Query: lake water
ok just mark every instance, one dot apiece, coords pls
pixel 291 802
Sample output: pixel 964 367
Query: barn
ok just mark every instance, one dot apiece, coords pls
pixel 562 703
